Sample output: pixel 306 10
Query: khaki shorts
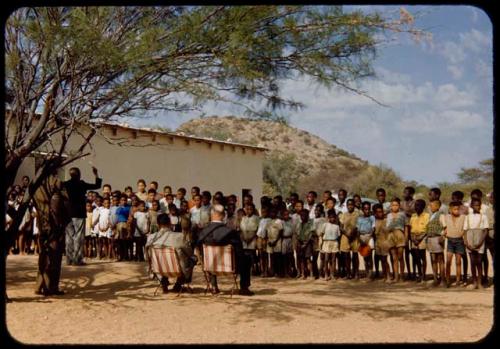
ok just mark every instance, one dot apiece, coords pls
pixel 398 238
pixel 435 244
pixel 422 245
pixel 330 246
pixel 121 231
pixel 261 243
pixel 382 249
pixel 346 246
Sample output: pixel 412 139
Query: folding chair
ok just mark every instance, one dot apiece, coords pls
pixel 219 261
pixel 164 262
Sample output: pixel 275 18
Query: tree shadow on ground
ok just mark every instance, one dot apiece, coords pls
pixel 323 300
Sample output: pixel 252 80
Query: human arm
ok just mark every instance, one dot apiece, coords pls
pixel 97 184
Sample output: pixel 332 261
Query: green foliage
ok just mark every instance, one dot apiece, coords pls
pixel 476 174
pixel 281 173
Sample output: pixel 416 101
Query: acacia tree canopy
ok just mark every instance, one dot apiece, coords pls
pixel 67 66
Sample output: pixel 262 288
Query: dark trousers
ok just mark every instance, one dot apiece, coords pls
pixel 244 262
pixel 139 248
pixel 49 263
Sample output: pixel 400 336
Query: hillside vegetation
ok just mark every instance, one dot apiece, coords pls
pixel 297 160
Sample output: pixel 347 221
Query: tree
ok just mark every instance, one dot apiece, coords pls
pixel 475 174
pixel 72 66
pixel 281 173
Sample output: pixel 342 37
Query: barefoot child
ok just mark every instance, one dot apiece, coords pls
pixel 274 232
pixel 383 243
pixel 104 229
pixel 365 225
pixel 417 232
pixel 88 229
pixel 261 241
pixel 141 220
pixel 349 241
pixel 304 244
pixel 318 223
pixel 95 227
pixel 248 231
pixel 287 246
pixel 454 233
pixel 330 245
pixel 398 232
pixel 435 241
pixel 476 228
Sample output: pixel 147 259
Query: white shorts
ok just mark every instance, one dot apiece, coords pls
pixel 330 246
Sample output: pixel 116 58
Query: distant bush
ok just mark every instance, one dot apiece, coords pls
pixel 307 140
pixel 286 139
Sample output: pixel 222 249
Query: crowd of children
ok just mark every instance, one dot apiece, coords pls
pixel 295 238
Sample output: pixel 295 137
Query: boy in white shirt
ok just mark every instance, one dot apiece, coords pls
pixel 141 219
pixel 94 236
pixel 104 226
pixel 476 228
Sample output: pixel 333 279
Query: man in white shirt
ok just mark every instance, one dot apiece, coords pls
pixel 341 205
pixel 310 203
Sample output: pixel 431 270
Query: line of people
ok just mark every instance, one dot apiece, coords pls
pixel 295 238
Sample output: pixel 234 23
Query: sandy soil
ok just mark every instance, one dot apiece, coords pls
pixel 109 302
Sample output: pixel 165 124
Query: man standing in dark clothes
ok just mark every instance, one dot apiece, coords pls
pixel 75 230
pixel 217 233
pixel 51 202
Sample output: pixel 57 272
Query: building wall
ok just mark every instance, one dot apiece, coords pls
pixel 170 161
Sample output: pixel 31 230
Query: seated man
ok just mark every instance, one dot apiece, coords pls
pixel 168 238
pixel 217 233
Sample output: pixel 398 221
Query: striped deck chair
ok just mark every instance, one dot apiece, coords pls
pixel 164 262
pixel 220 261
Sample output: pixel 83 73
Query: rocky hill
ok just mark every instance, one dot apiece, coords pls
pixel 310 150
pixel 317 165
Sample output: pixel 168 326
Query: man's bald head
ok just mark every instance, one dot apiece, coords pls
pixel 217 213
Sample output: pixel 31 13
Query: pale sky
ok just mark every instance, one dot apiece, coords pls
pixel 439 92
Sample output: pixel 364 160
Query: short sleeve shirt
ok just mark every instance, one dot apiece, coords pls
pixel 419 223
pixel 365 225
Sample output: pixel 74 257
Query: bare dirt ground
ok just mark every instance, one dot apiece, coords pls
pixel 109 302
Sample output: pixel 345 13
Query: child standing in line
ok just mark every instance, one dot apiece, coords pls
pixel 330 246
pixel 435 241
pixel 141 218
pixel 112 246
pixel 476 227
pixel 248 231
pixel 261 241
pixel 88 229
pixel 349 241
pixel 365 225
pixel 122 228
pixel 417 232
pixel 398 232
pixel 104 229
pixel 383 243
pixel 287 246
pixel 319 222
pixel 153 217
pixel 458 196
pixel 274 232
pixel 129 242
pixel 454 233
pixel 185 219
pixel 95 226
pixel 305 230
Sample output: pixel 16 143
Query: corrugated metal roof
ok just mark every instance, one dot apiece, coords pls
pixel 181 135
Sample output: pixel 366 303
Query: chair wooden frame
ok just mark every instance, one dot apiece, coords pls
pixel 165 262
pixel 219 261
